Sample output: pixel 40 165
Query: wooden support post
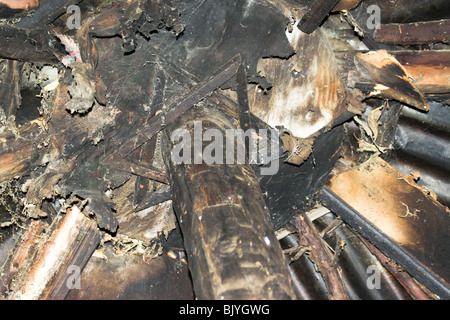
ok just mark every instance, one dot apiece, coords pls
pixel 232 250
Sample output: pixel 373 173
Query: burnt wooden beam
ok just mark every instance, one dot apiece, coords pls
pixel 47 12
pixel 139 169
pixel 430 69
pixel 406 11
pixel 316 14
pixel 67 277
pixel 387 78
pixel 387 124
pixel 153 198
pixel 345 5
pixel 413 33
pixel 19 256
pixel 41 267
pixel 19 153
pixel 174 110
pixel 37 45
pixel 9 87
pixel 146 153
pixel 232 249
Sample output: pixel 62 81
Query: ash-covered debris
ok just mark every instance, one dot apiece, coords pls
pixel 86 112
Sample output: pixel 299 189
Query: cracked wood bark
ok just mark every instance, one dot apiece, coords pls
pixel 232 250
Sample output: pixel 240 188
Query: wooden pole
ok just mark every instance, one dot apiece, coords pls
pixel 232 250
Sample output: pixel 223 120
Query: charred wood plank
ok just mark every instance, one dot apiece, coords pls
pixel 139 169
pixel 406 11
pixel 345 5
pixel 152 220
pixel 316 14
pixel 47 12
pixel 9 87
pixel 174 110
pixel 67 277
pixel 382 75
pixel 19 153
pixel 23 251
pixel 69 241
pixel 232 250
pixel 430 69
pixel 153 198
pixel 413 33
pixel 29 45
pixel 413 289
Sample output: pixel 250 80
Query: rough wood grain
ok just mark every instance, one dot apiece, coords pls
pixel 232 250
pixel 414 33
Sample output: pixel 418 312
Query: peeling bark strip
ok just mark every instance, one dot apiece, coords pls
pixel 321 256
pixel 232 249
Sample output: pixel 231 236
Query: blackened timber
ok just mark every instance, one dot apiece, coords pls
pixel 9 87
pixel 20 154
pixel 139 169
pixel 153 198
pixel 408 282
pixel 174 110
pixel 414 33
pixel 316 14
pixel 416 260
pixel 36 45
pixel 46 13
pixel 232 250
pixel 86 243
